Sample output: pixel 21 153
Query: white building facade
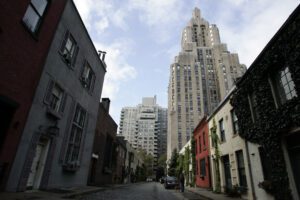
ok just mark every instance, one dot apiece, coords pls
pixel 239 163
pixel 145 126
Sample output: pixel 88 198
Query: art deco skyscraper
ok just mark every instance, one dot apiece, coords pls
pixel 200 77
pixel 145 126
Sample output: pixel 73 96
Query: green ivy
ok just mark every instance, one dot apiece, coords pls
pixel 193 152
pixel 272 122
pixel 215 141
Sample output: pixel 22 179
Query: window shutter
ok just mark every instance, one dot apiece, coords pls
pixel 75 56
pixel 63 103
pixel 48 95
pixel 82 69
pixel 63 44
pixel 93 82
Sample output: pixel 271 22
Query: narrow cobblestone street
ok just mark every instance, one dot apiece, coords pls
pixel 144 191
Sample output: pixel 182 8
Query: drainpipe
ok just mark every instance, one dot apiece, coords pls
pixel 250 170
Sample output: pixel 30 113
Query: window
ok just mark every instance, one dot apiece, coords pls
pixel 285 86
pixel 200 148
pixel 241 168
pixel 55 97
pixel 73 150
pixel 34 14
pixel 197 169
pixel 204 143
pixel 266 163
pixel 88 77
pixel 234 122
pixel 222 131
pixel 202 167
pixel 69 49
pixel 253 107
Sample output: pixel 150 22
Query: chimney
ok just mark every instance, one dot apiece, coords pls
pixel 103 55
pixel 106 102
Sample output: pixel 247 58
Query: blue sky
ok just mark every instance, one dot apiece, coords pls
pixel 142 37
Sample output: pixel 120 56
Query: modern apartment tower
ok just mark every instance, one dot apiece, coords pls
pixel 145 126
pixel 200 77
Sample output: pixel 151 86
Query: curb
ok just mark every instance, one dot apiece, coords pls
pixel 206 197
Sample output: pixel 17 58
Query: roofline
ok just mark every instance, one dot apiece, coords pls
pixel 221 104
pixel 200 122
pixel 103 64
pixel 273 40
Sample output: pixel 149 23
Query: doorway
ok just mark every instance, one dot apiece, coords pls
pixel 38 164
pixel 7 111
pixel 226 164
pixel 6 115
pixel 293 147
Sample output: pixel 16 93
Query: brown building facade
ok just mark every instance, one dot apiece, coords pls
pixel 103 160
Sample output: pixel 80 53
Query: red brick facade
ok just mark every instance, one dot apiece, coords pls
pixel 201 136
pixel 22 58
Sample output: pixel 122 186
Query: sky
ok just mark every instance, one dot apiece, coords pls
pixel 142 37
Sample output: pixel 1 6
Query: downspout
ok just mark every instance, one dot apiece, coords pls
pixel 250 170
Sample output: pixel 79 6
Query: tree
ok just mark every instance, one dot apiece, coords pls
pixel 162 161
pixel 161 166
pixel 186 163
pixel 173 163
pixel 148 162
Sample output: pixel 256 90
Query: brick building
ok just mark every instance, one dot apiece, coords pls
pixel 201 136
pixel 26 32
pixel 103 163
pixel 56 142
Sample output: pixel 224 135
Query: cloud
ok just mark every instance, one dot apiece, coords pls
pixel 247 26
pixel 161 17
pixel 101 13
pixel 101 25
pixel 118 69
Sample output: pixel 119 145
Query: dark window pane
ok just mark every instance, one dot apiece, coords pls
pixel 39 5
pixel 31 19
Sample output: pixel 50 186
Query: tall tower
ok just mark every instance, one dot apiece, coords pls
pixel 200 77
pixel 145 126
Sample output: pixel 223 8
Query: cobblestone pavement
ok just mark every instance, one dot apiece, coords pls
pixel 145 191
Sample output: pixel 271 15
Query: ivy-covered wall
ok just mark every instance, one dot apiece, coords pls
pixel 272 123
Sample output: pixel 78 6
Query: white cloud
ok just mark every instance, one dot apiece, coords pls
pixel 249 25
pixel 161 16
pixel 119 19
pixel 101 25
pixel 118 70
pixel 101 13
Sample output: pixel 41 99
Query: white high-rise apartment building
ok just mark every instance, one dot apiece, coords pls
pixel 200 77
pixel 145 126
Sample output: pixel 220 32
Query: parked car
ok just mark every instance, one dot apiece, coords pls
pixel 149 179
pixel 170 182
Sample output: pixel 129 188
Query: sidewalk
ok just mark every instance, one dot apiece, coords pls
pixel 209 194
pixel 56 194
